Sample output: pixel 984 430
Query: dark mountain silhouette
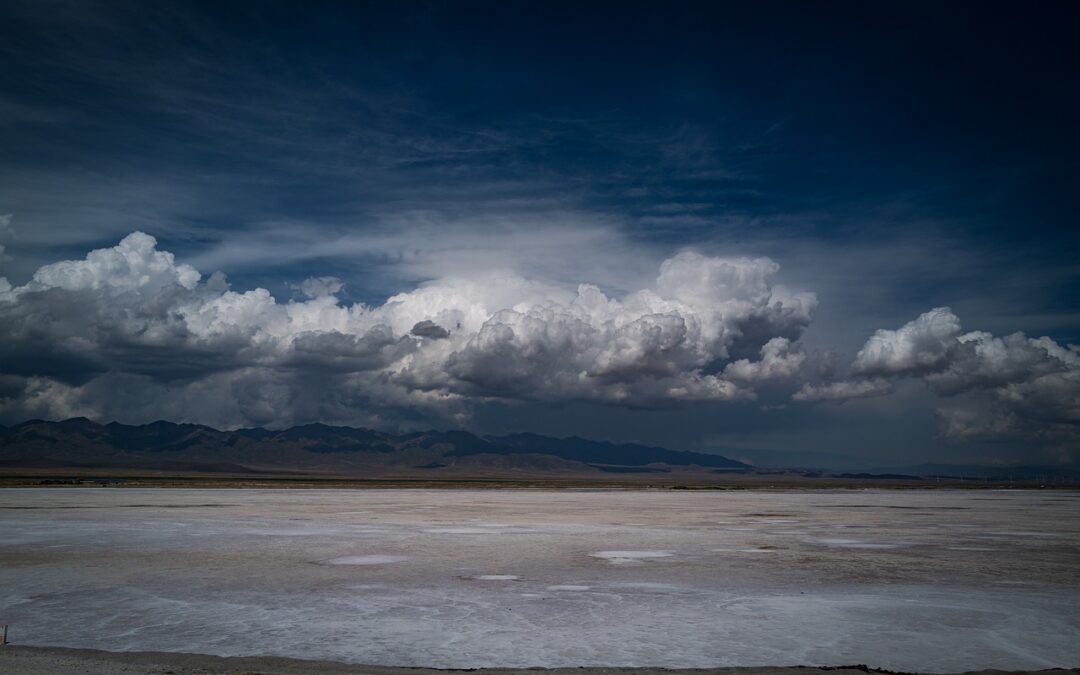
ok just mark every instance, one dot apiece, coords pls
pixel 320 448
pixel 602 452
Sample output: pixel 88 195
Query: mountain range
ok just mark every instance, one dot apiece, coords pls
pixel 323 449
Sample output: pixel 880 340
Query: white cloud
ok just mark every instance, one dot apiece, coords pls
pixel 1053 398
pixel 980 360
pixel 1012 385
pixel 131 311
pixel 318 287
pixel 918 346
pixel 130 332
pixel 777 361
pixel 132 265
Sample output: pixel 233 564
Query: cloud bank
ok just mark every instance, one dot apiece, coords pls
pixel 130 333
pixel 990 386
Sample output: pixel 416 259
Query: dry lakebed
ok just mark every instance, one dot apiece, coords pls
pixel 915 580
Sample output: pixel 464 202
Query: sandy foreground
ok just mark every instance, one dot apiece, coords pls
pixel 61 661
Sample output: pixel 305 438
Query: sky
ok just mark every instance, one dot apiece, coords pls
pixel 842 231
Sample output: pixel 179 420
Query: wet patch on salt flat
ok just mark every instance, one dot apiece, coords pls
pixel 364 560
pixel 313 531
pixel 647 586
pixel 624 557
pixel 1024 534
pixel 461 530
pixel 481 528
pixel 855 543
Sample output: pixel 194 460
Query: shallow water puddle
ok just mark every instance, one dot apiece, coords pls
pixel 624 557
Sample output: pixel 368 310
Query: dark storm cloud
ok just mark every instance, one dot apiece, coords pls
pixel 429 329
pixel 342 353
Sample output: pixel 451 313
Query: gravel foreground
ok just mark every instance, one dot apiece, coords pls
pixel 27 660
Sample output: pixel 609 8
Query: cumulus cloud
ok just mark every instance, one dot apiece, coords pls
pixel 134 265
pixel 921 345
pixel 778 360
pixel 318 287
pixel 429 329
pixel 132 314
pixel 981 360
pixel 130 333
pixel 1011 384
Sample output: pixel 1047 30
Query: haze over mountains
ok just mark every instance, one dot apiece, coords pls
pixel 80 442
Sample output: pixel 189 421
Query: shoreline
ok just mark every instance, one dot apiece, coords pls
pixel 39 660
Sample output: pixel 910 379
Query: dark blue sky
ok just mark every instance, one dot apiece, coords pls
pixel 890 158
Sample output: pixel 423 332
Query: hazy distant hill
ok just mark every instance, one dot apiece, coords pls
pixel 80 442
pixel 601 452
pixel 979 471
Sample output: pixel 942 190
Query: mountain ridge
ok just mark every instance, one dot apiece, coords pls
pixel 322 448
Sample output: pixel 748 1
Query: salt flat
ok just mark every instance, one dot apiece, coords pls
pixel 907 580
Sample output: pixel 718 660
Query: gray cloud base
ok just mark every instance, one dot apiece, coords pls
pixel 129 333
pixel 131 318
pixel 1014 385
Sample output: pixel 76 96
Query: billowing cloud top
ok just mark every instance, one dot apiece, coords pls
pixel 129 333
pixel 921 345
pixel 1015 385
pixel 82 333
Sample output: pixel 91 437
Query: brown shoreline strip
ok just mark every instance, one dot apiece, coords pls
pixel 30 660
